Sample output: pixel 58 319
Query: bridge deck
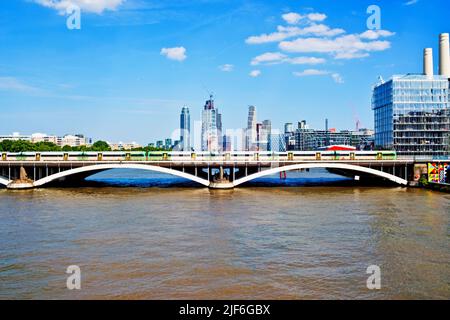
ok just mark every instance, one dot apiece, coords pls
pixel 206 163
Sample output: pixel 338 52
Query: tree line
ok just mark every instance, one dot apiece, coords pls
pixel 27 146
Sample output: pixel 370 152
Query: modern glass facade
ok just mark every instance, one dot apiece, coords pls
pixel 263 135
pixel 309 139
pixel 277 142
pixel 251 136
pixel 211 124
pixel 412 115
pixel 185 129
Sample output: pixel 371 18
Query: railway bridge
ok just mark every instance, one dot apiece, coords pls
pixel 217 172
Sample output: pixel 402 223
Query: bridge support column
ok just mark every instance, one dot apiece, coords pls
pixel 23 182
pixel 220 182
pixel 221 185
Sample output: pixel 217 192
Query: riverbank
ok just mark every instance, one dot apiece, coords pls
pixel 423 183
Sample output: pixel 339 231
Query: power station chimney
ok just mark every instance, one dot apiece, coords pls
pixel 444 55
pixel 428 62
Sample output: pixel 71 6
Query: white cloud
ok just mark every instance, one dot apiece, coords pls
pixel 269 58
pixel 317 16
pixel 411 2
pixel 283 33
pixel 344 47
pixel 375 34
pixel 176 53
pixel 94 6
pixel 14 84
pixel 226 67
pixel 314 72
pixel 350 55
pixel 295 18
pixel 306 60
pixel 319 38
pixel 307 34
pixel 292 17
pixel 266 38
pixel 255 73
pixel 310 72
pixel 313 29
pixel 337 78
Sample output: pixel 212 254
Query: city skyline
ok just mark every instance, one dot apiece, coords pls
pixel 136 76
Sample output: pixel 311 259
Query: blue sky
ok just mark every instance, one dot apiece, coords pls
pixel 134 63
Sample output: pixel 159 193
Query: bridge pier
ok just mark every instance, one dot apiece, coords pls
pixel 219 180
pixel 23 182
pixel 17 185
pixel 221 185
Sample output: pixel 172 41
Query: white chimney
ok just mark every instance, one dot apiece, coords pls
pixel 428 62
pixel 444 55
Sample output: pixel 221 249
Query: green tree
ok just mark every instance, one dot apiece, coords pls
pixel 46 146
pixel 21 146
pixel 100 146
pixel 27 146
pixel 5 145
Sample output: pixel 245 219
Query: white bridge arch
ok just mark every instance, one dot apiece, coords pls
pixel 328 165
pixel 4 181
pixel 205 182
pixel 103 167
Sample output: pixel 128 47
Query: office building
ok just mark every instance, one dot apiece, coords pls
pixel 123 146
pixel 219 131
pixel 168 144
pixel 288 128
pixel 264 130
pixel 251 134
pixel 310 139
pixel 16 136
pixel 412 111
pixel 43 137
pixel 289 136
pixel 77 140
pixel 226 143
pixel 210 118
pixel 185 130
pixel 277 142
pixel 67 140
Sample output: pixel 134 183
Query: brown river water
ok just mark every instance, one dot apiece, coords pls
pixel 162 238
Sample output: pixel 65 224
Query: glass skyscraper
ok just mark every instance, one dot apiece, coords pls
pixel 264 136
pixel 211 124
pixel 412 115
pixel 251 136
pixel 185 130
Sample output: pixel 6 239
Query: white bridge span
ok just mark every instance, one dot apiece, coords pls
pixel 4 181
pixel 102 167
pixel 341 166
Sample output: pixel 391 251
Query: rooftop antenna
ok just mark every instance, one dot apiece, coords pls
pixel 356 118
pixel 210 93
pixel 357 125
